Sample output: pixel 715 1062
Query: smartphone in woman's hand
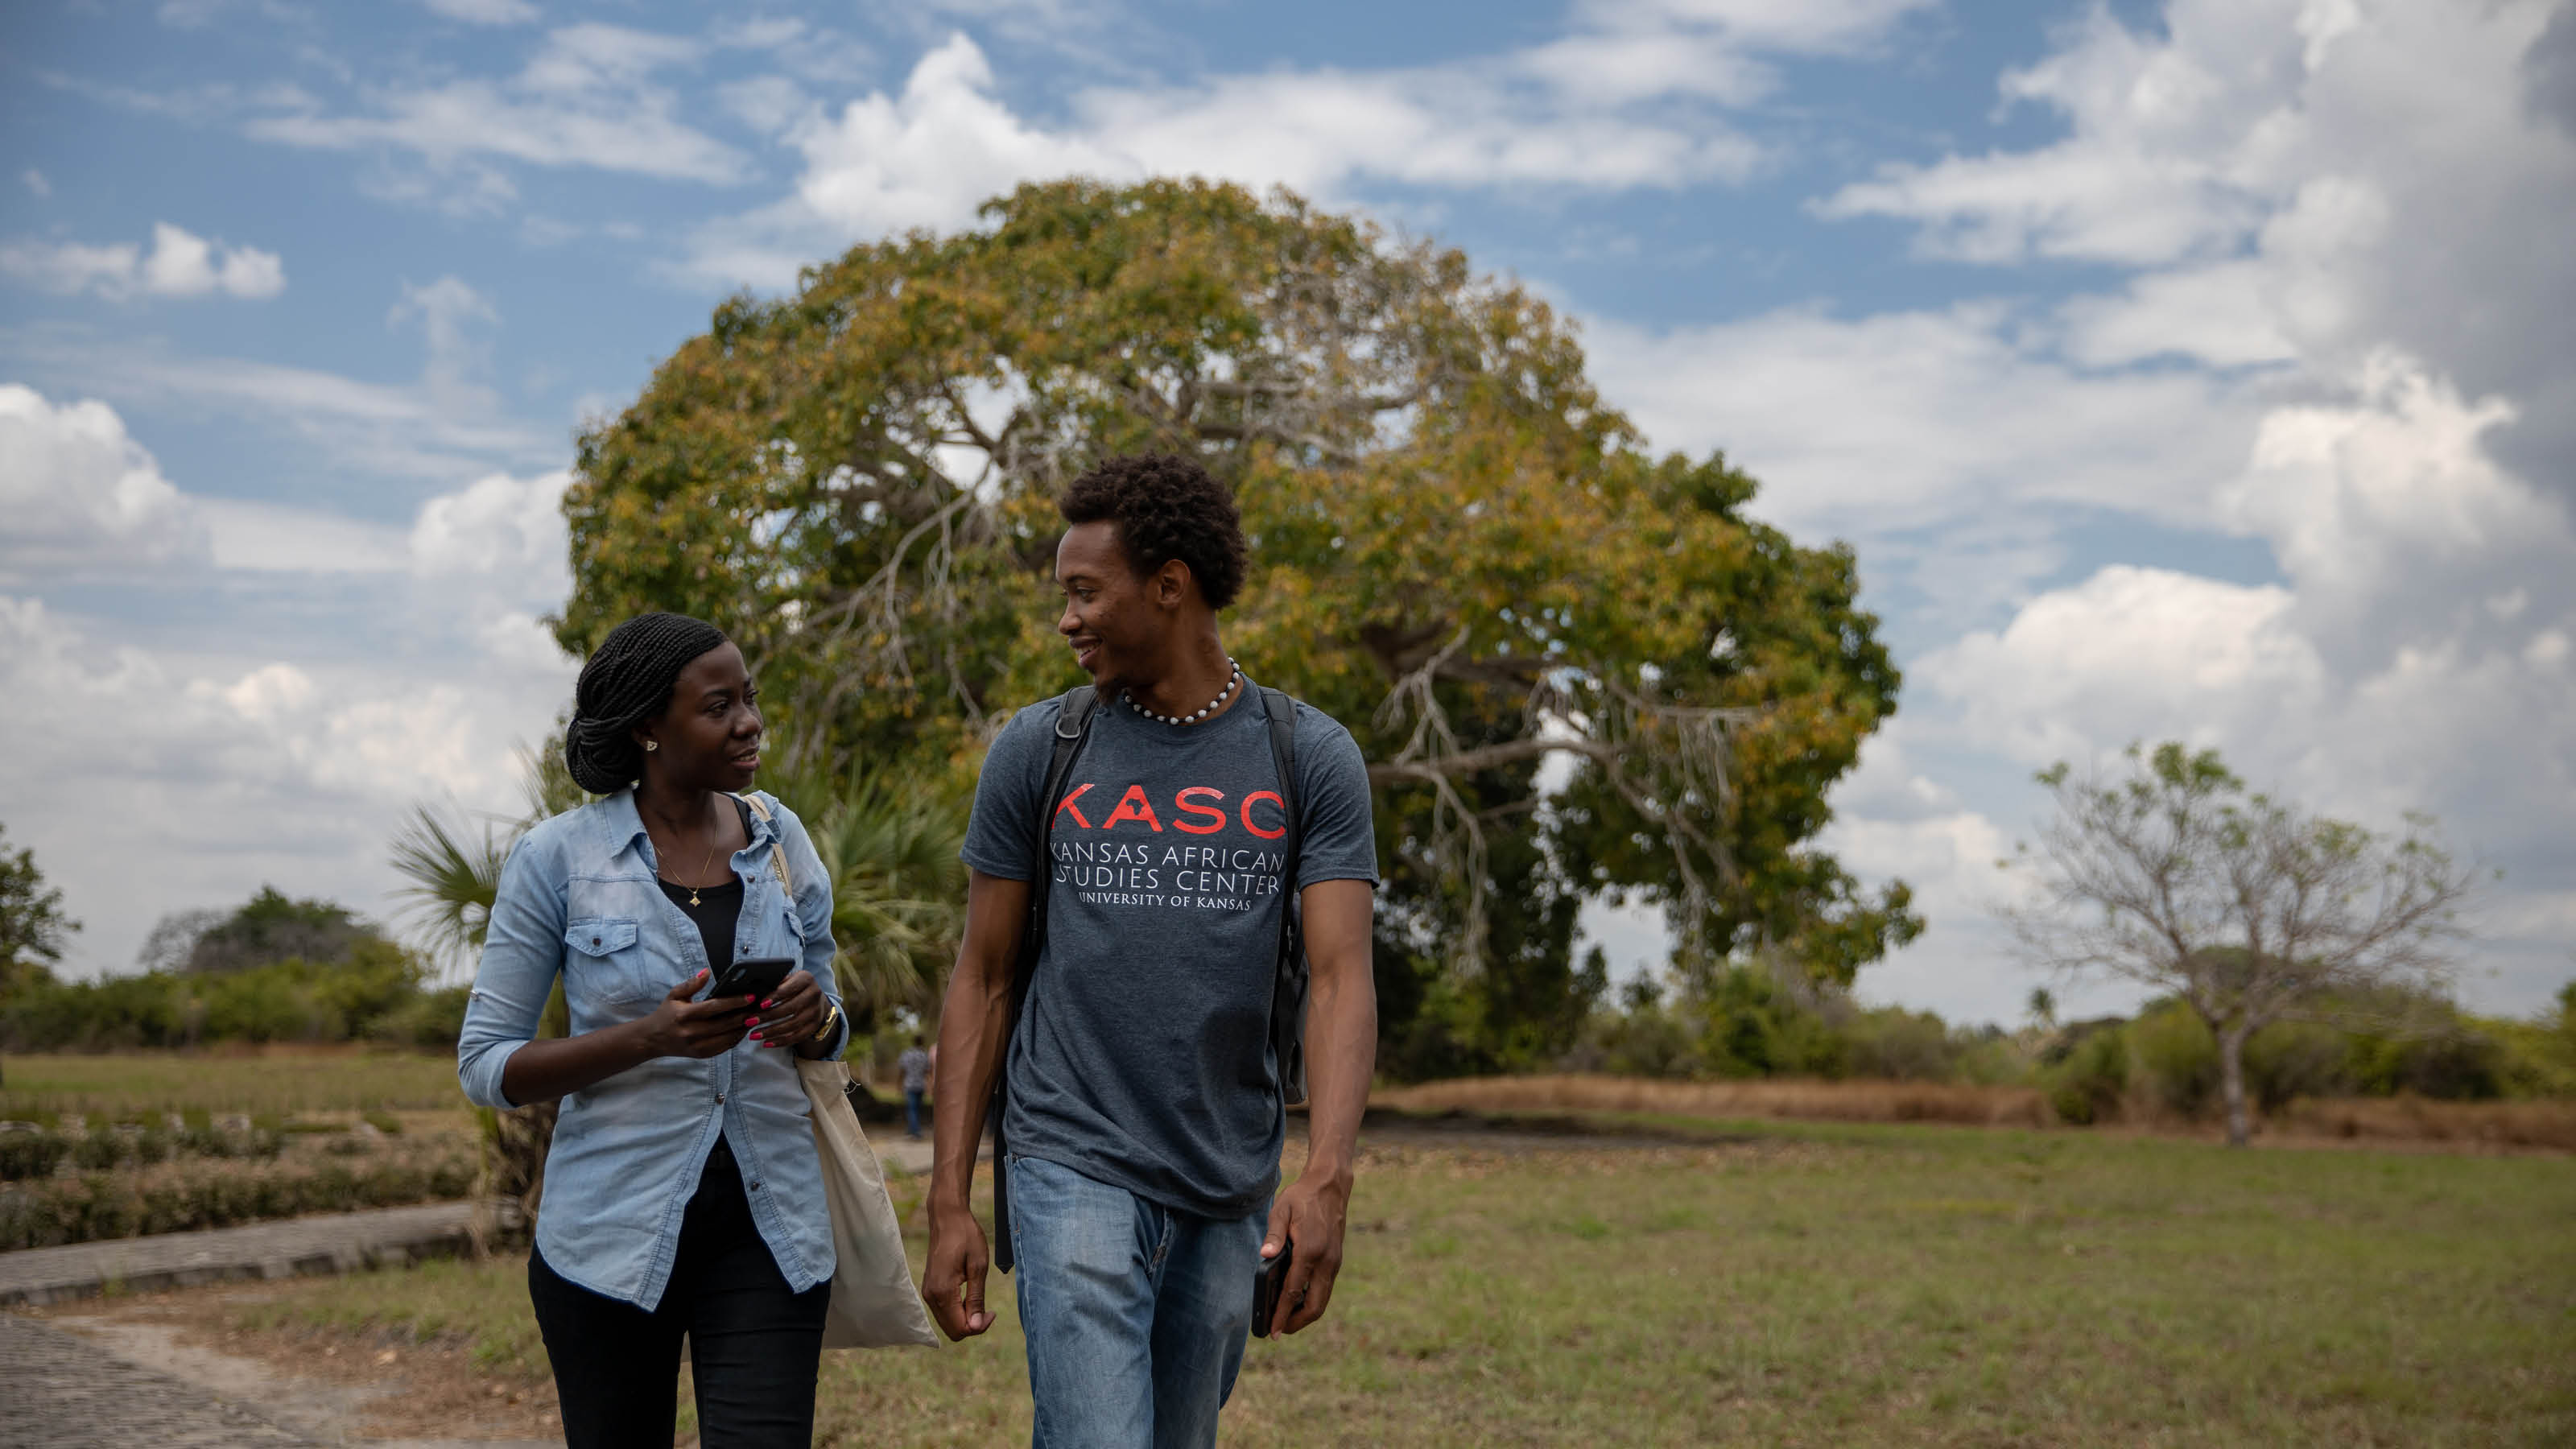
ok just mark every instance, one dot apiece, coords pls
pixel 754 976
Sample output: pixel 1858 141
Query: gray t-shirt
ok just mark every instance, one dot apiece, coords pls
pixel 915 1066
pixel 1142 1055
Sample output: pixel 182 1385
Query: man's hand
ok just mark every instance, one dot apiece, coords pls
pixel 1311 1215
pixel 952 1281
pixel 680 1027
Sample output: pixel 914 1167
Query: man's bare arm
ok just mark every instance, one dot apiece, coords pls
pixel 1341 1059
pixel 972 1021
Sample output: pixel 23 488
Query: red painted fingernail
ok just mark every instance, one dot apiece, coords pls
pixel 773 1001
pixel 755 1036
pixel 751 1021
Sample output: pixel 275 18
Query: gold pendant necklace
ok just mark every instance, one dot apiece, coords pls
pixel 702 867
pixel 702 870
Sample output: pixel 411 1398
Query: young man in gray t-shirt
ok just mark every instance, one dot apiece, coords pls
pixel 1143 1117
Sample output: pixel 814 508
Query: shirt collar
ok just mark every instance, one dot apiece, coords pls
pixel 626 823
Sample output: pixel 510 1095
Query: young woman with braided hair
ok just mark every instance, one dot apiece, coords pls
pixel 683 1195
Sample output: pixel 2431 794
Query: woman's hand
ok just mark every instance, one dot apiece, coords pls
pixel 680 1027
pixel 791 1015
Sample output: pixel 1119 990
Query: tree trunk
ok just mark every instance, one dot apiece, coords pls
pixel 2231 1082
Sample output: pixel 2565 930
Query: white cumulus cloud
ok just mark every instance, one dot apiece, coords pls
pixel 198 776
pixel 1633 97
pixel 2334 328
pixel 179 264
pixel 498 525
pixel 79 494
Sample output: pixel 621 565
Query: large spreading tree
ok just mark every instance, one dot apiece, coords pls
pixel 1459 551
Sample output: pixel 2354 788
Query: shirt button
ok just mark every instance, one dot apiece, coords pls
pixel 719 1099
pixel 755 1187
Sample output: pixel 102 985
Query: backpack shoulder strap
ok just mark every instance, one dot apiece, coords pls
pixel 1282 712
pixel 1288 989
pixel 1072 726
pixel 1072 730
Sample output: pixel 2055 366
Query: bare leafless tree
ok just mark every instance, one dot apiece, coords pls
pixel 2246 908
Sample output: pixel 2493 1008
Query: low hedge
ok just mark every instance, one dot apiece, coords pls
pixel 26 1155
pixel 101 1205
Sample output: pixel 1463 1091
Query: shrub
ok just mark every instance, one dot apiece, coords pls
pixel 1649 1042
pixel 374 991
pixel 2452 1061
pixel 1756 1029
pixel 1893 1044
pixel 2086 1085
pixel 2289 1060
pixel 100 1205
pixel 430 1020
pixel 2175 1059
pixel 31 1154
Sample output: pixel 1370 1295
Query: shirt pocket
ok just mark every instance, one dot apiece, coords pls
pixel 605 959
pixel 781 931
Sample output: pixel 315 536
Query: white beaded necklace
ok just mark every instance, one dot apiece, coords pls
pixel 1213 705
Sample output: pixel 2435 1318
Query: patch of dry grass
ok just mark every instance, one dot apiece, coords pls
pixel 2387 1120
pixel 1809 1101
pixel 2414 1119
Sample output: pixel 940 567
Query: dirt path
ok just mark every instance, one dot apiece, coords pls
pixel 163 1369
pixel 64 1392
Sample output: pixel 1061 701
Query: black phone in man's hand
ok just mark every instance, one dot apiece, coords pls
pixel 753 976
pixel 1268 1282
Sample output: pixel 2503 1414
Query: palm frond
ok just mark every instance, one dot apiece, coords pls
pixel 453 873
pixel 898 888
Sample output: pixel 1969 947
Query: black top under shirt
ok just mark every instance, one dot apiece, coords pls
pixel 717 912
pixel 719 908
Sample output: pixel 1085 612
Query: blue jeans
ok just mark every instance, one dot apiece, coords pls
pixel 912 1111
pixel 1135 1314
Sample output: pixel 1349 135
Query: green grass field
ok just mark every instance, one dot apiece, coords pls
pixel 1825 1286
pixel 41 1088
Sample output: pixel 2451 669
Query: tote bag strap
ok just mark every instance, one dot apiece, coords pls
pixel 777 850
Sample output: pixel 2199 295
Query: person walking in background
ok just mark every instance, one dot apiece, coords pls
pixel 1143 1120
pixel 683 1192
pixel 915 1066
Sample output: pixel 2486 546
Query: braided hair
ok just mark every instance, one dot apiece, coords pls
pixel 625 682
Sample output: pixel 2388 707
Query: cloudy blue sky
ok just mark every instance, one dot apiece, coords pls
pixel 2200 369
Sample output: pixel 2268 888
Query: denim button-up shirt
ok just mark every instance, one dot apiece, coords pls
pixel 578 897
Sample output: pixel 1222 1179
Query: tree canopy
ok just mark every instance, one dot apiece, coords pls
pixel 32 923
pixel 1460 552
pixel 2246 908
pixel 268 928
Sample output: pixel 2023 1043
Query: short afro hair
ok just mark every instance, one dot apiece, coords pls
pixel 1166 508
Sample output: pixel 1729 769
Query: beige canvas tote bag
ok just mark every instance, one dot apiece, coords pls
pixel 874 1304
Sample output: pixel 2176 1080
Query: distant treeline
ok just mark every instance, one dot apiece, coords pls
pixel 2161 1063
pixel 274 970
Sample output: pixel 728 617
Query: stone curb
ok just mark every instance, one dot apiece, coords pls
pixel 331 1243
pixel 324 1243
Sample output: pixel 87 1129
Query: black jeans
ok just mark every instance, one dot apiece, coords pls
pixel 754 1343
